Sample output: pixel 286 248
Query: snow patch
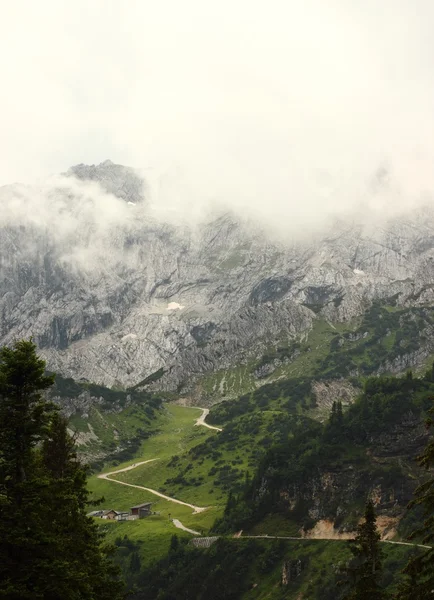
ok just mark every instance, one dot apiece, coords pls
pixel 174 306
pixel 359 272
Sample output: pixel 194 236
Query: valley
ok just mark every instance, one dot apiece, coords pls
pixel 192 507
pixel 178 456
pixel 201 465
pixel 217 300
pixel 253 393
pixel 203 469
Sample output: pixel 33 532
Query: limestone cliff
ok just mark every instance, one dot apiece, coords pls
pixel 111 294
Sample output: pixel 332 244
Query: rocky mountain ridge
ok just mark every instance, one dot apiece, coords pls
pixel 112 295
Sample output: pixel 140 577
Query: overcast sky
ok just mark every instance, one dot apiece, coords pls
pixel 298 101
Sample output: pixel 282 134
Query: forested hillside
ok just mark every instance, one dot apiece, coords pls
pixel 326 471
pixel 287 471
pixel 283 461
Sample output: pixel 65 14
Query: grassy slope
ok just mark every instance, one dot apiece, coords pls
pixel 231 383
pixel 153 534
pixel 384 333
pixel 176 435
pixel 201 471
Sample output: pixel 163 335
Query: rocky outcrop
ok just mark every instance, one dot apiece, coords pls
pixel 112 294
pixel 82 404
pixel 386 473
pixel 123 182
pixel 327 392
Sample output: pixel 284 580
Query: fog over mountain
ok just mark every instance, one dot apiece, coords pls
pixel 280 171
pixel 114 286
pixel 217 233
pixel 289 110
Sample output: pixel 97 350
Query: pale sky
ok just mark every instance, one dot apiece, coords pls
pixel 296 102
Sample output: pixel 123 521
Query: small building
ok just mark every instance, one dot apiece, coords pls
pixel 95 513
pixel 122 516
pixel 141 510
pixel 110 514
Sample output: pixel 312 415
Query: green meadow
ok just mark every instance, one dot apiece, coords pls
pixel 176 435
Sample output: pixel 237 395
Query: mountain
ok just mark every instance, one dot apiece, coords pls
pixel 122 182
pixel 319 475
pixel 114 294
pixel 106 424
pixel 288 492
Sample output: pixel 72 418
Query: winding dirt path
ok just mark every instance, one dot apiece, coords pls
pixel 203 416
pixel 107 476
pixel 130 468
pixel 179 525
pixel 306 539
pixel 196 509
pixel 406 544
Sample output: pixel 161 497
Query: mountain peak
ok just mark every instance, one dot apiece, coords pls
pixel 124 182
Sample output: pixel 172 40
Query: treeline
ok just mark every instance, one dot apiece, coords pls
pixel 296 392
pixel 186 572
pixel 49 548
pixel 66 387
pixel 389 411
pixel 386 334
pixel 239 568
pixel 387 414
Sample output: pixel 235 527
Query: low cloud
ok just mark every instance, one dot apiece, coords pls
pixel 288 113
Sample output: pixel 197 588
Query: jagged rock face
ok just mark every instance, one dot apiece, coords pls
pixel 327 392
pixel 331 494
pixel 84 402
pixel 121 181
pixel 111 294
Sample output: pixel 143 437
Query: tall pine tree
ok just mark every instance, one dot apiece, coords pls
pixel 419 583
pixel 49 549
pixel 365 569
pixel 79 558
pixel 24 418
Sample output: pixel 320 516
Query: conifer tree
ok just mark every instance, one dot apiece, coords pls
pixel 24 417
pixel 174 543
pixel 49 549
pixel 135 562
pixel 334 428
pixel 365 569
pixel 79 561
pixel 420 570
pixel 339 413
